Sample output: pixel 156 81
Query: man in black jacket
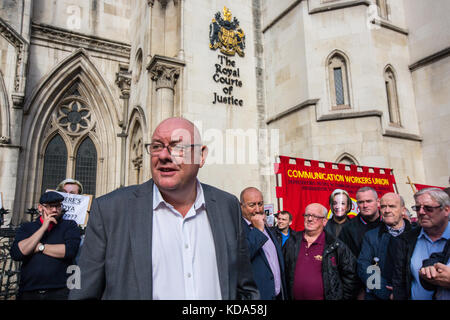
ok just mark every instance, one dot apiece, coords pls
pixel 368 218
pixel 340 206
pixel 318 266
pixel 375 253
pixel 283 228
pixel 352 233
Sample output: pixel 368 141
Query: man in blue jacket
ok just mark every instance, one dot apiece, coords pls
pixel 46 247
pixel 375 261
pixel 265 252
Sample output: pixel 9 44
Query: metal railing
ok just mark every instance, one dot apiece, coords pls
pixel 9 269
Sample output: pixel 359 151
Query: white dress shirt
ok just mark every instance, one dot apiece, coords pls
pixel 183 253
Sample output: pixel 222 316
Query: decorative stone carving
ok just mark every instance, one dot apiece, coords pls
pixel 123 80
pixel 57 35
pixel 165 71
pixel 163 3
pixel 5 140
pixel 73 116
pixel 165 76
pixel 21 46
pixel 18 99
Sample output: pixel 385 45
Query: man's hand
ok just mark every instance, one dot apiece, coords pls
pixel 48 218
pixel 438 275
pixel 258 220
pixel 391 296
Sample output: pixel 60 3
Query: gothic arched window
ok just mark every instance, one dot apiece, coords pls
pixel 86 166
pixel 55 163
pixel 338 81
pixel 392 97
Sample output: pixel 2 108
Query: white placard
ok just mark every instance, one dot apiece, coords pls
pixel 268 210
pixel 1 200
pixel 76 207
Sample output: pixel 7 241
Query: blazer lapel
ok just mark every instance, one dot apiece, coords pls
pixel 141 236
pixel 218 232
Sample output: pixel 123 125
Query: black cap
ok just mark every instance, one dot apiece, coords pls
pixel 51 197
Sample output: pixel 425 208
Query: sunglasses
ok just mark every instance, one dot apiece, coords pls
pixel 427 209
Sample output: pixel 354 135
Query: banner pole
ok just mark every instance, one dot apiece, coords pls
pixel 395 184
pixel 413 187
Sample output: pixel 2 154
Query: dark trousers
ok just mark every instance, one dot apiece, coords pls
pixel 48 294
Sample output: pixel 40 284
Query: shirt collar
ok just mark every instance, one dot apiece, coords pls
pixel 50 226
pixel 319 240
pixel 445 235
pixel 159 200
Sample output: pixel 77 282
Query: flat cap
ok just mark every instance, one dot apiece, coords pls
pixel 51 197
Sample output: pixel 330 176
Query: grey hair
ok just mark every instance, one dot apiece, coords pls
pixel 437 194
pixel 402 201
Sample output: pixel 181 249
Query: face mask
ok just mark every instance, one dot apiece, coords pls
pixel 340 205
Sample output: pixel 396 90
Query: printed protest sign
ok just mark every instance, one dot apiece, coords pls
pixel 76 207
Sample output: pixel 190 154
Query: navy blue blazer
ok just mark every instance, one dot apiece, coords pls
pixel 262 273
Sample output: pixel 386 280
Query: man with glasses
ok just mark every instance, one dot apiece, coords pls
pixel 411 248
pixel 46 247
pixel 171 237
pixel 319 266
pixel 265 252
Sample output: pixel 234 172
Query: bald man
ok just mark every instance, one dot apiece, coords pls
pixel 375 248
pixel 265 252
pixel 171 237
pixel 319 266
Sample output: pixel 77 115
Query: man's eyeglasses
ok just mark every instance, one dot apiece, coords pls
pixel 51 206
pixel 175 149
pixel 254 204
pixel 307 216
pixel 427 209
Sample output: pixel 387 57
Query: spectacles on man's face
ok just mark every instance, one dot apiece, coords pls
pixel 51 206
pixel 307 216
pixel 176 148
pixel 427 209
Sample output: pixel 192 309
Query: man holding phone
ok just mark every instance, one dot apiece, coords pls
pixel 46 248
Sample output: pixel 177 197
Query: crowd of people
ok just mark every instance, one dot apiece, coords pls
pixel 174 237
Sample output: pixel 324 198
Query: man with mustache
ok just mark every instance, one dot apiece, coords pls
pixel 171 237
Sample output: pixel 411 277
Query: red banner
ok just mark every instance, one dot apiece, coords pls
pixel 306 181
pixel 423 186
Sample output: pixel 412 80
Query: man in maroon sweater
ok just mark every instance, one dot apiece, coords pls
pixel 319 266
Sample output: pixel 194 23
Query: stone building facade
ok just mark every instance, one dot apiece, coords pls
pixel 83 83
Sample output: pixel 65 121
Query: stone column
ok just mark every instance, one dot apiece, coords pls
pixel 123 81
pixel 164 72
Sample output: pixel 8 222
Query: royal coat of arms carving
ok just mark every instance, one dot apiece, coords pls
pixel 226 34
